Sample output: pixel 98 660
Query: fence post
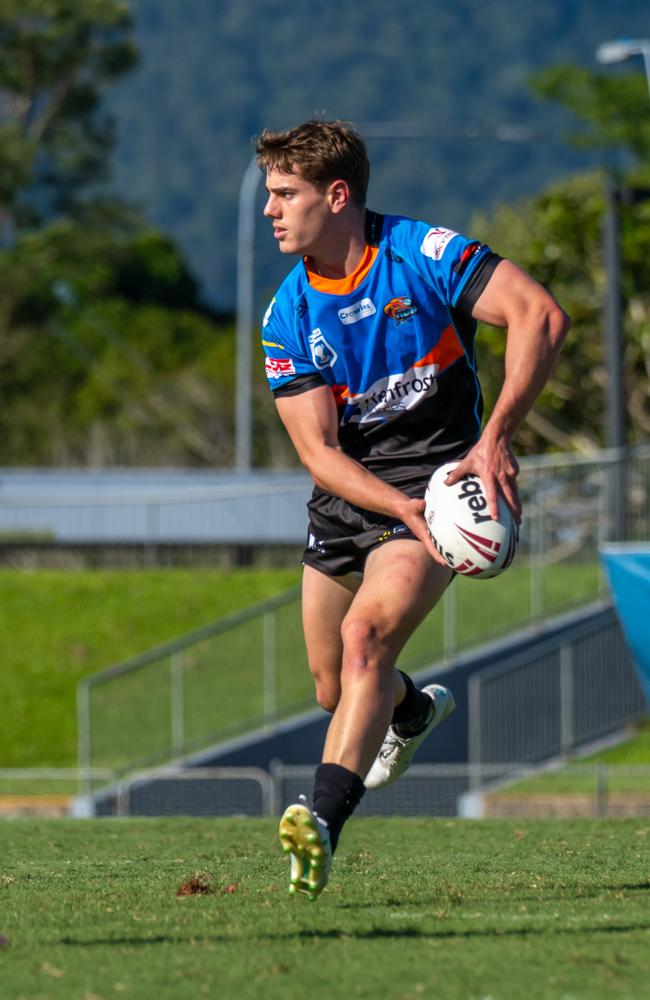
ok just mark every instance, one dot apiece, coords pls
pixel 567 733
pixel 270 703
pixel 177 702
pixel 449 622
pixel 474 732
pixel 537 552
pixel 601 790
pixel 84 750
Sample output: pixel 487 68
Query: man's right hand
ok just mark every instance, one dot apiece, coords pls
pixel 412 515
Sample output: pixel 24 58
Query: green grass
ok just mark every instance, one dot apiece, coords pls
pixel 65 624
pixel 547 910
pixel 61 625
pixel 630 771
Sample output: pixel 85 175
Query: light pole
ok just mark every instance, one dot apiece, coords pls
pixel 615 439
pixel 625 48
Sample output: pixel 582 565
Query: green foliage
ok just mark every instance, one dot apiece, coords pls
pixel 107 353
pixel 557 237
pixel 612 109
pixel 55 57
pixel 414 908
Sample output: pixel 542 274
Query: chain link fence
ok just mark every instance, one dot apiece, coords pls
pixel 250 671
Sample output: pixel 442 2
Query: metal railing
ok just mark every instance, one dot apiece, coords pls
pixel 573 688
pixel 250 670
pixel 504 789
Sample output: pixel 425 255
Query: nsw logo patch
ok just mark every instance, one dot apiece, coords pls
pixel 323 354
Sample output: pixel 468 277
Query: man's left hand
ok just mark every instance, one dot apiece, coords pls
pixel 494 461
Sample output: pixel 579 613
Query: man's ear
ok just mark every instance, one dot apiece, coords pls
pixel 338 195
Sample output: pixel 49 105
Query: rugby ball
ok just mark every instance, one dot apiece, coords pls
pixel 461 527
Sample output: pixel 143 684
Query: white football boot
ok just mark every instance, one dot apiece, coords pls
pixel 304 835
pixel 396 752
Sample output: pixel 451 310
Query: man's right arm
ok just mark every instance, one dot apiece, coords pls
pixel 311 421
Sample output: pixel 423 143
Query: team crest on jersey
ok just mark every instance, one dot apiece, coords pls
pixel 401 309
pixel 323 354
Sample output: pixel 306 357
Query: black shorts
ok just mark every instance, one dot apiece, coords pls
pixel 340 535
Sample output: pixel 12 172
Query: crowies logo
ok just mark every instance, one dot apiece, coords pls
pixel 323 354
pixel 359 310
pixel 401 309
pixel 435 242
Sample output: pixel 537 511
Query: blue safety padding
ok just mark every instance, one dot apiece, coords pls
pixel 628 568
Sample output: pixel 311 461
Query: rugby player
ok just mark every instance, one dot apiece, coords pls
pixel 369 346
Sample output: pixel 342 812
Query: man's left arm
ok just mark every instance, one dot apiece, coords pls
pixel 536 327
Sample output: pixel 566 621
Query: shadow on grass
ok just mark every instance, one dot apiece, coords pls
pixel 376 934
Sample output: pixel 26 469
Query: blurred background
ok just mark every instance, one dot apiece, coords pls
pixel 147 489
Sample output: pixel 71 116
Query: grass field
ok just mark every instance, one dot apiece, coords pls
pixel 65 624
pixel 415 908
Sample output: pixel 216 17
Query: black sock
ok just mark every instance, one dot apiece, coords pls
pixel 413 712
pixel 337 793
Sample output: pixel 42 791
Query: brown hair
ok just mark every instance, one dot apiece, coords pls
pixel 321 151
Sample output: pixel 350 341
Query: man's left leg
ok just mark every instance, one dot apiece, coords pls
pixel 400 586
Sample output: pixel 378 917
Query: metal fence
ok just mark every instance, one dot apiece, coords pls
pixel 560 695
pixel 251 671
pixel 435 790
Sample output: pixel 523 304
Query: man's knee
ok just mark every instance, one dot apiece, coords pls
pixel 363 645
pixel 328 696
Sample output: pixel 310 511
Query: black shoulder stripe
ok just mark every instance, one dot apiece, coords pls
pixel 374 227
pixel 303 383
pixel 477 282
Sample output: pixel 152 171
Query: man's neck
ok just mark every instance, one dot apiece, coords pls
pixel 342 255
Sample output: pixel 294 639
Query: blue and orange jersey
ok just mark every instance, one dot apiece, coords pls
pixel 394 341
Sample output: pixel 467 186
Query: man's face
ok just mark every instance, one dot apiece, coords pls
pixel 300 212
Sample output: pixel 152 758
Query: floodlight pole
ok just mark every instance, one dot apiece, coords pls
pixel 613 356
pixel 245 285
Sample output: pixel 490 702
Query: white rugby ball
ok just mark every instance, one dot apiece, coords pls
pixel 462 530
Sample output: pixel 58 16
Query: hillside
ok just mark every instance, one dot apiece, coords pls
pixel 211 78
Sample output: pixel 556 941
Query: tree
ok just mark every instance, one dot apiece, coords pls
pixel 107 354
pixel 55 137
pixel 557 236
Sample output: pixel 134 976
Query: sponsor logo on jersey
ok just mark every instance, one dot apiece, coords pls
pixel 267 314
pixel 359 310
pixel 301 307
pixel 395 257
pixel 401 309
pixel 388 396
pixel 435 242
pixel 323 354
pixel 279 367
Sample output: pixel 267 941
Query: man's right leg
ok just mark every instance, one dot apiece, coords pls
pixel 325 602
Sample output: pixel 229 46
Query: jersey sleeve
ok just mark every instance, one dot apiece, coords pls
pixel 286 360
pixel 456 267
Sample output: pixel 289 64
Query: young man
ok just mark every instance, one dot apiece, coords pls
pixel 370 355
